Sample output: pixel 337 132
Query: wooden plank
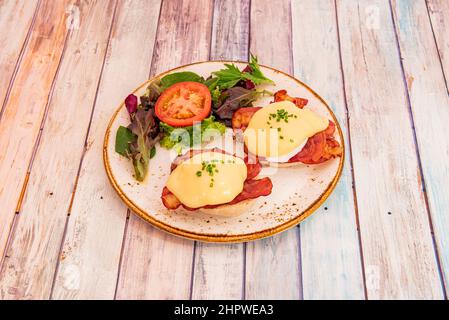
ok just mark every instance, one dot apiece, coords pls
pixel 439 16
pixel 157 265
pixel 272 265
pixel 24 110
pixel 31 259
pixel 98 216
pixel 230 34
pixel 17 16
pixel 218 269
pixel 397 245
pixel 430 105
pixel 331 262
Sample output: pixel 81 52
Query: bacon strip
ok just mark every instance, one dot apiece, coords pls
pixel 282 95
pixel 319 148
pixel 251 188
pixel 169 200
pixel 241 118
pixel 252 169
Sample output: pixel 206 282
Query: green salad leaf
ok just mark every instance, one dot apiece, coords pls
pixel 231 75
pixel 256 75
pixel 178 138
pixel 152 152
pixel 236 98
pixel 211 83
pixel 123 140
pixel 173 78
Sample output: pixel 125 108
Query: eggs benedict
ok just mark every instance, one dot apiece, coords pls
pixel 284 133
pixel 214 182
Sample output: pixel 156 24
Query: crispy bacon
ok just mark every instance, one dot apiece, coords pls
pixel 319 148
pixel 282 95
pixel 252 169
pixel 252 188
pixel 241 118
pixel 169 200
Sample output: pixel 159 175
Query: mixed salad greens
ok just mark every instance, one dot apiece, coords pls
pixel 184 109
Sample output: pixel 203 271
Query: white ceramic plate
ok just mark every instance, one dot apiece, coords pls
pixel 297 191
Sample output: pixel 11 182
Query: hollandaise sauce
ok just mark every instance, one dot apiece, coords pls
pixel 208 178
pixel 281 129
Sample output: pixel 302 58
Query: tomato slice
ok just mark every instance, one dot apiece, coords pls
pixel 183 104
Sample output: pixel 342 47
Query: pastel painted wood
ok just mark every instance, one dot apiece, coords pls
pixel 17 16
pixel 230 33
pixel 183 36
pixel 439 16
pixel 73 98
pixel 396 239
pixel 430 106
pixel 218 269
pixel 383 67
pixel 269 262
pixel 97 216
pixel 330 253
pixel 25 109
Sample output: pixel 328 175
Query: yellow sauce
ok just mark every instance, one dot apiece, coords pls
pixel 193 185
pixel 265 136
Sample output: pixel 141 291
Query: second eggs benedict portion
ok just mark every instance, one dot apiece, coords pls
pixel 284 132
pixel 208 178
pixel 280 130
pixel 214 182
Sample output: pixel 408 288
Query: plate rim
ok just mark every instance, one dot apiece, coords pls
pixel 223 238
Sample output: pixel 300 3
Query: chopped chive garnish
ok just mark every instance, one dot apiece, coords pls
pixel 211 168
pixel 281 114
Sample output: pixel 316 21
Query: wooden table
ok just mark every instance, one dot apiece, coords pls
pixel 382 66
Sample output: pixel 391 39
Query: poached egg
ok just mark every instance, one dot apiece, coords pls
pixel 280 130
pixel 208 178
